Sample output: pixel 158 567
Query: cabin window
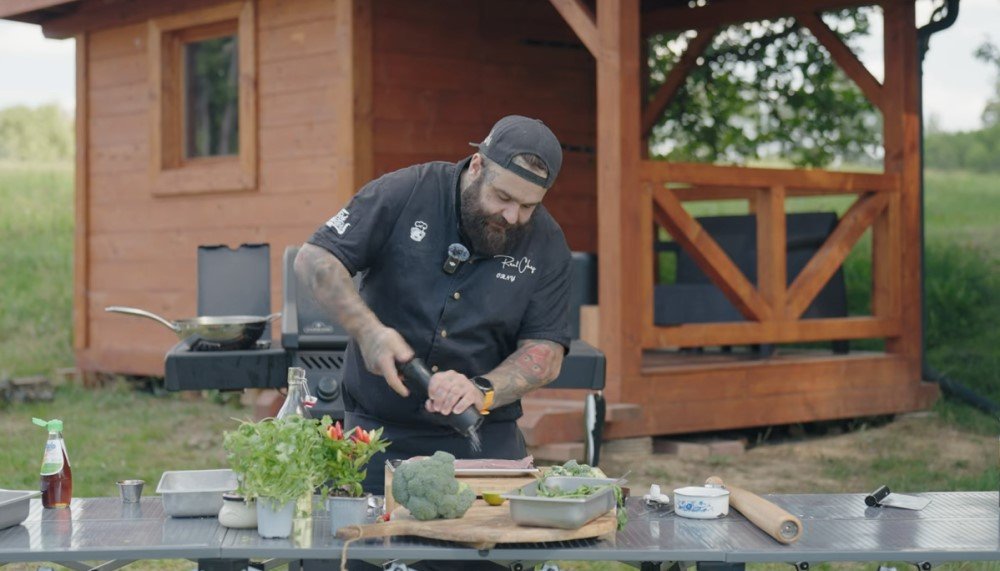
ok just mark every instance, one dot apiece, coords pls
pixel 202 79
pixel 211 97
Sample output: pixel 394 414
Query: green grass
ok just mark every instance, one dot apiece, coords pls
pixel 118 432
pixel 36 268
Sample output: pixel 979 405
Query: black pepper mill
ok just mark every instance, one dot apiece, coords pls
pixel 465 423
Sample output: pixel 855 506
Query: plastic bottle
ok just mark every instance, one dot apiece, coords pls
pixel 298 401
pixel 56 475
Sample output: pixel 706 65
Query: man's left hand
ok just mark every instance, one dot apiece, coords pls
pixel 452 392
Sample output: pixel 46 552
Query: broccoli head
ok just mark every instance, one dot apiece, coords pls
pixel 429 489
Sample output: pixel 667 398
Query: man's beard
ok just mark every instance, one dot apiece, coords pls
pixel 490 234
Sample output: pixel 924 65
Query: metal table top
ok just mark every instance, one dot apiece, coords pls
pixel 837 527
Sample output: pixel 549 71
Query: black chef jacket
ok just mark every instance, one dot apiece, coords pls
pixel 398 229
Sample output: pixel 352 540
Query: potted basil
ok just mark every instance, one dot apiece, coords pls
pixel 277 461
pixel 346 457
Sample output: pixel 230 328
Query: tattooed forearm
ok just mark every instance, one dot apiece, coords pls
pixel 331 285
pixel 535 363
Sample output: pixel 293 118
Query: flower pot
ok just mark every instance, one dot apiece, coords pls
pixel 345 511
pixel 274 520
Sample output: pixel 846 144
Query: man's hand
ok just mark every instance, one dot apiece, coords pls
pixel 451 393
pixel 382 349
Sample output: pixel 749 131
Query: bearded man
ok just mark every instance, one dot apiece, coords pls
pixel 464 268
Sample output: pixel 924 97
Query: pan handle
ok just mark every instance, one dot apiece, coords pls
pixel 143 313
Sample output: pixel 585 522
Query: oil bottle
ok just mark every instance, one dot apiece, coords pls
pixel 56 475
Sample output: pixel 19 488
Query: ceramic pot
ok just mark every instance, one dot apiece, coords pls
pixel 701 502
pixel 237 513
pixel 274 520
pixel 345 511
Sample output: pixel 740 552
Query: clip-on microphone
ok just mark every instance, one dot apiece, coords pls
pixel 457 253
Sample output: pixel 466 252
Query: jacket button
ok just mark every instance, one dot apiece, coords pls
pixel 456 295
pixel 444 333
pixel 434 369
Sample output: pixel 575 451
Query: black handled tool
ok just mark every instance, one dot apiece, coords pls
pixel 465 423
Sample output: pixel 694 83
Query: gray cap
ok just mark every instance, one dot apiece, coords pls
pixel 515 135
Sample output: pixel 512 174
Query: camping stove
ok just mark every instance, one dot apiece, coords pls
pixel 308 338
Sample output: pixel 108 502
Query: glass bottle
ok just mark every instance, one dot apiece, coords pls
pixel 298 401
pixel 56 481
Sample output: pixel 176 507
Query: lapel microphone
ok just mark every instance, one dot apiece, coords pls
pixel 457 253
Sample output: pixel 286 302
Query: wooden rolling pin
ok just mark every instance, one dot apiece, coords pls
pixel 771 519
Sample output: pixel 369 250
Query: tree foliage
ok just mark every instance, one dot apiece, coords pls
pixel 766 89
pixel 989 52
pixel 43 133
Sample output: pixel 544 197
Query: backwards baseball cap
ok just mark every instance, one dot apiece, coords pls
pixel 515 135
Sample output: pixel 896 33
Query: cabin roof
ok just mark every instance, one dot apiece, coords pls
pixel 35 11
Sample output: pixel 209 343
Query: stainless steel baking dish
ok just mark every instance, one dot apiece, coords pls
pixel 528 508
pixel 14 506
pixel 194 493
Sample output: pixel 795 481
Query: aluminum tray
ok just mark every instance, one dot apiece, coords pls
pixel 528 508
pixel 14 506
pixel 194 493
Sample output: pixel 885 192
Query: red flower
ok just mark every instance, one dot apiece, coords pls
pixel 336 431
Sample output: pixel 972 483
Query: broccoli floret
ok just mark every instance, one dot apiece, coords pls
pixel 429 489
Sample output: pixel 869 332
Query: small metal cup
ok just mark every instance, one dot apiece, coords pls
pixel 131 490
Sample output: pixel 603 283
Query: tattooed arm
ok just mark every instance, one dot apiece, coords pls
pixel 535 363
pixel 330 283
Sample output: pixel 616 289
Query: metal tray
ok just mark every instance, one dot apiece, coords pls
pixel 195 493
pixel 14 506
pixel 528 508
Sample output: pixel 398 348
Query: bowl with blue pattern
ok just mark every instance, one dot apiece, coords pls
pixel 701 502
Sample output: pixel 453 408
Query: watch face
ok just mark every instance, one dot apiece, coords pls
pixel 483 384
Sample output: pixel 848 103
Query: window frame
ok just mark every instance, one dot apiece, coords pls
pixel 171 171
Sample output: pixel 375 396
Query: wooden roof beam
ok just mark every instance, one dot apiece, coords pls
pixel 665 94
pixel 709 256
pixel 833 252
pixel 723 13
pixel 844 57
pixel 581 20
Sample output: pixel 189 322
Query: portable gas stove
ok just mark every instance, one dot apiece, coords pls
pixel 308 338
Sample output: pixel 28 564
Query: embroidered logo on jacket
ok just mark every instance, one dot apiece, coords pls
pixel 418 231
pixel 339 222
pixel 510 264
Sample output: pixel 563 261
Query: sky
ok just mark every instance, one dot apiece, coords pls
pixel 34 70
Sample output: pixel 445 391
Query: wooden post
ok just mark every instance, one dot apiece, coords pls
pixel 902 156
pixel 772 250
pixel 81 273
pixel 354 103
pixel 621 242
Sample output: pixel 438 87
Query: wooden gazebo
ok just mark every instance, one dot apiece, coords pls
pixel 334 92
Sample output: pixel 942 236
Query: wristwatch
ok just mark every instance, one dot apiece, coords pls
pixel 486 387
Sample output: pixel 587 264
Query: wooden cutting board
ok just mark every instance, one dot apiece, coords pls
pixel 482 527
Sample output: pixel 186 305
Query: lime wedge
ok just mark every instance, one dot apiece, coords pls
pixel 493 498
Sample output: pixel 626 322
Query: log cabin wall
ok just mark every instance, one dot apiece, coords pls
pixel 444 71
pixel 141 248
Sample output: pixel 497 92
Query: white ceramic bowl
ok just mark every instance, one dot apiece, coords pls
pixel 701 503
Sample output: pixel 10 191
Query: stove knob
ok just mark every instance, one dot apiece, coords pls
pixel 328 389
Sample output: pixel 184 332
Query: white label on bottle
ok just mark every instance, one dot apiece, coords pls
pixel 52 461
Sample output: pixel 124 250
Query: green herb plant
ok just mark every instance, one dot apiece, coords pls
pixel 277 459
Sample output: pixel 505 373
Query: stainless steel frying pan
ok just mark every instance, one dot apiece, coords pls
pixel 228 331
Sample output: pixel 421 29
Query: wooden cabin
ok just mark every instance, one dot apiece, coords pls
pixel 335 92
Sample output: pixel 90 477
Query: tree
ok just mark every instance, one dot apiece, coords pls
pixel 42 133
pixel 989 53
pixel 766 88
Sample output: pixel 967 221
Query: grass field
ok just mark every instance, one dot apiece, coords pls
pixel 119 432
